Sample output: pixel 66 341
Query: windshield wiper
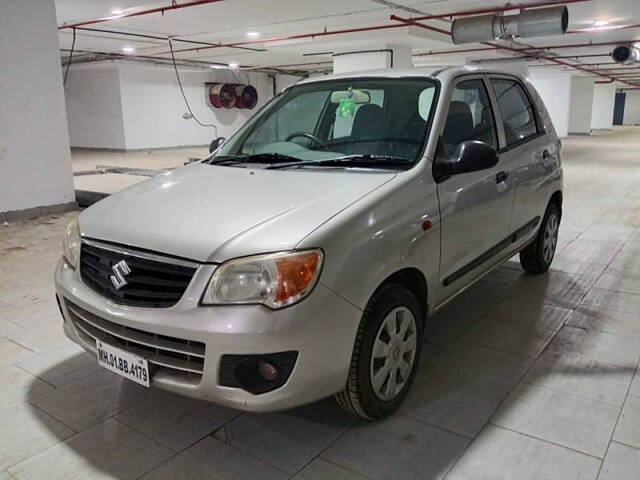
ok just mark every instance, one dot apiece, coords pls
pixel 360 160
pixel 254 158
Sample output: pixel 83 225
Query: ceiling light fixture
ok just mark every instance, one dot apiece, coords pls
pixel 128 50
pixel 253 34
pixel 233 65
pixel 117 11
pixel 600 23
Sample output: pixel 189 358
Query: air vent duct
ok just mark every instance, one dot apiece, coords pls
pixel 528 23
pixel 626 55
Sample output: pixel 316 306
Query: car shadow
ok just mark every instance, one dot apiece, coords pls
pixel 460 384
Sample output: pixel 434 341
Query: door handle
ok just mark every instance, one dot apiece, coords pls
pixel 501 177
pixel 546 155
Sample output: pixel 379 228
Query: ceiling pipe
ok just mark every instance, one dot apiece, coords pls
pixel 519 50
pixel 174 6
pixel 529 23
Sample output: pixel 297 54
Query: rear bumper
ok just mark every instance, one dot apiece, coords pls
pixel 321 329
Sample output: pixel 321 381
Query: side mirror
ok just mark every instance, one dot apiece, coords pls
pixel 216 143
pixel 470 156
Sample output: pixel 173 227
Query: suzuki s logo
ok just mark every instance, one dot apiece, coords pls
pixel 120 271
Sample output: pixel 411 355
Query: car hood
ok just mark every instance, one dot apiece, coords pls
pixel 212 213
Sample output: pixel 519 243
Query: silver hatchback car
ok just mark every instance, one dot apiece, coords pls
pixel 303 258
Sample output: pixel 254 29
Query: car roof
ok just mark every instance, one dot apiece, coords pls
pixel 440 72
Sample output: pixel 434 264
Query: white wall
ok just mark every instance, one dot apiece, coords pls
pixel 94 107
pixel 140 106
pixel 603 100
pixel 581 105
pixel 632 108
pixel 555 89
pixel 35 165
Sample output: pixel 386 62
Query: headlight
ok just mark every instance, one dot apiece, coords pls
pixel 275 280
pixel 71 243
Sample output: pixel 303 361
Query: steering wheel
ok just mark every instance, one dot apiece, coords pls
pixel 310 136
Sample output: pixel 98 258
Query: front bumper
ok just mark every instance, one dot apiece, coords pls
pixel 321 328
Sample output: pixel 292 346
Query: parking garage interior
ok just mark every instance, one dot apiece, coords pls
pixel 520 376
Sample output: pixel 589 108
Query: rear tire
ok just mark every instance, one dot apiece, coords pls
pixel 536 257
pixel 385 354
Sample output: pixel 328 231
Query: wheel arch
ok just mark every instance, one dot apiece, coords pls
pixel 557 199
pixel 414 281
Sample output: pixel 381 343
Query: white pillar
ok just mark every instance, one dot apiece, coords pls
pixel 632 108
pixel 554 86
pixel 604 96
pixel 581 105
pixel 35 163
pixel 372 58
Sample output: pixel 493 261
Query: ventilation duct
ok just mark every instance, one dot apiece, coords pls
pixel 626 55
pixel 528 23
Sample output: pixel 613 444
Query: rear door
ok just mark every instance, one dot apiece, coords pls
pixel 527 147
pixel 475 207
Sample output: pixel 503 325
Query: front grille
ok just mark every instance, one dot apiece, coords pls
pixel 153 281
pixel 175 355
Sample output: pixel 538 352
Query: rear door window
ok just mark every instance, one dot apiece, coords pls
pixel 517 112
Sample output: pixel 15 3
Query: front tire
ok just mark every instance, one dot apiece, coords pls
pixel 385 354
pixel 536 258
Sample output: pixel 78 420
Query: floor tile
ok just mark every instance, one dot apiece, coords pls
pixel 106 450
pixel 211 459
pixel 397 448
pixel 62 366
pixel 617 323
pixel 581 376
pixel 568 420
pixel 595 251
pixel 456 317
pixel 585 270
pixel 18 386
pixel 320 469
pixel 455 404
pixel 91 399
pixel 600 299
pixel 288 440
pixel 628 428
pixel 508 336
pixel 499 454
pixel 27 431
pixel 605 347
pixel 173 420
pixel 542 316
pixel 12 353
pixel 496 369
pixel 612 233
pixel 619 282
pixel 622 463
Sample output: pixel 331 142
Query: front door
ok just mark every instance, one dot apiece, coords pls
pixel 475 207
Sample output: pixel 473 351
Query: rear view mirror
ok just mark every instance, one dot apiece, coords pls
pixel 216 143
pixel 470 156
pixel 356 96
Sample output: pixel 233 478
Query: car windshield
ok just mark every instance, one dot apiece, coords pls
pixel 360 122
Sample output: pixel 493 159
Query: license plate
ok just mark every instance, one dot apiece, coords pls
pixel 123 363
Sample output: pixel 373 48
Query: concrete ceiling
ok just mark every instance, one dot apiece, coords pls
pixel 229 21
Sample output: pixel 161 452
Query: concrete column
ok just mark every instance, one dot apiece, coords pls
pixel 372 58
pixel 35 163
pixel 554 86
pixel 581 105
pixel 632 108
pixel 604 96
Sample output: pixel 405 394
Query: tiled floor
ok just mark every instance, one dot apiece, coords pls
pixel 525 378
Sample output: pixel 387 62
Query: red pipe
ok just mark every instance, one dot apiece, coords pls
pixel 511 49
pixel 173 6
pixel 495 9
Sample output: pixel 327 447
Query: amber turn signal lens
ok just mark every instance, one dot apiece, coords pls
pixel 295 274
